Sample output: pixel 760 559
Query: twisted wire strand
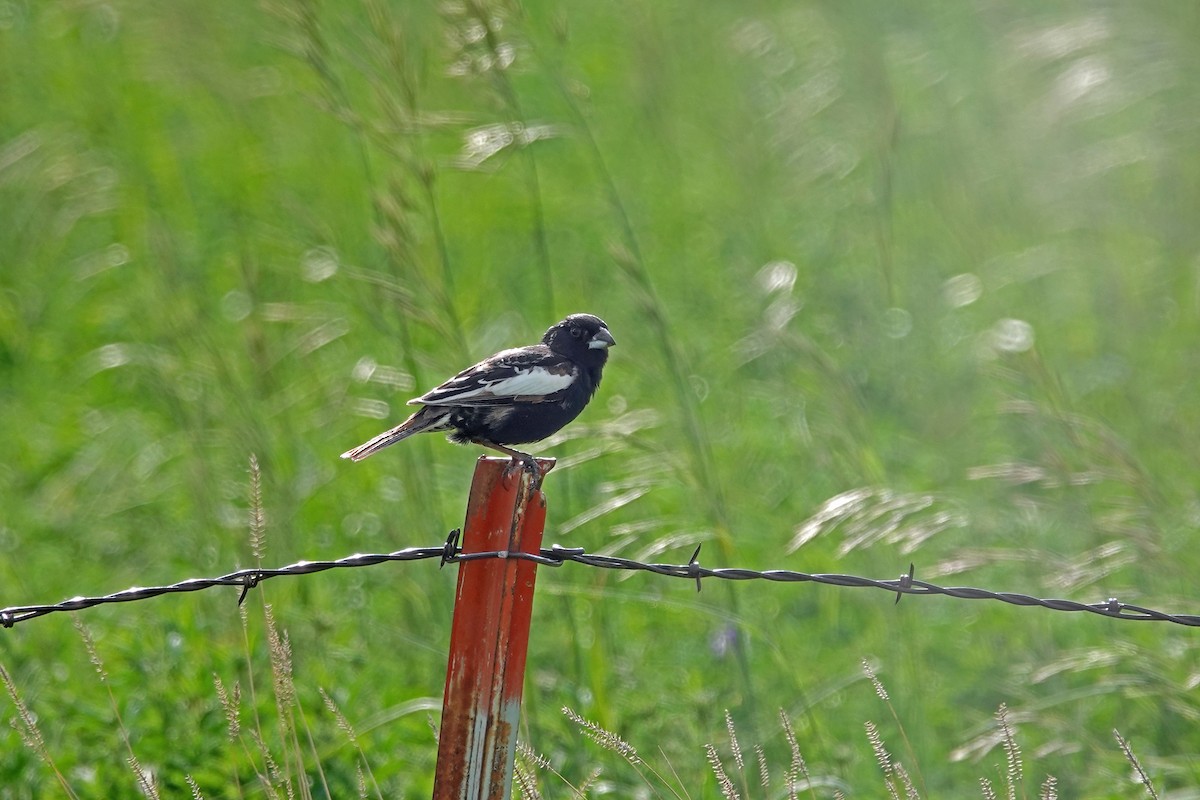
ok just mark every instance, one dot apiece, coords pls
pixel 556 556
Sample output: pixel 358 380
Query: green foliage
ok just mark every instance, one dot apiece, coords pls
pixel 938 259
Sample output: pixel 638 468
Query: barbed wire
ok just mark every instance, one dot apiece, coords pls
pixel 557 556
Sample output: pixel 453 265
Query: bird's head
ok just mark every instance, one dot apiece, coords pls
pixel 582 337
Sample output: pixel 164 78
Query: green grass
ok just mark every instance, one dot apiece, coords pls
pixel 230 228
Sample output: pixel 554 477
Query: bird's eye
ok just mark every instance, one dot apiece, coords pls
pixel 577 332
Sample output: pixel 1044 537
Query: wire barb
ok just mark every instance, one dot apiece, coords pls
pixel 557 555
pixel 694 566
pixel 250 582
pixel 450 549
pixel 906 581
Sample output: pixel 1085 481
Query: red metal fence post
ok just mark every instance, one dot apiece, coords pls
pixel 489 637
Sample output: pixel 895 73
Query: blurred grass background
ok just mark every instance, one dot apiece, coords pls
pixel 890 283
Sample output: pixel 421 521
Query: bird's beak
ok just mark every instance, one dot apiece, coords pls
pixel 602 340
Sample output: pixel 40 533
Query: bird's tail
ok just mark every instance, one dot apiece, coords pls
pixel 428 418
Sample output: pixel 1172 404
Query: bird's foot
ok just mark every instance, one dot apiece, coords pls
pixel 519 462
pixel 524 463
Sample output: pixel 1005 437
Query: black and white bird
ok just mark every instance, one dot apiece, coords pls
pixel 514 397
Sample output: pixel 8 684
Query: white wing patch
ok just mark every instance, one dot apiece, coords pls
pixel 525 382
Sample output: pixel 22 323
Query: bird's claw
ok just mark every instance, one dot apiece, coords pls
pixel 525 463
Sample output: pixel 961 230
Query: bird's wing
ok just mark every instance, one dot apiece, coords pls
pixel 524 375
